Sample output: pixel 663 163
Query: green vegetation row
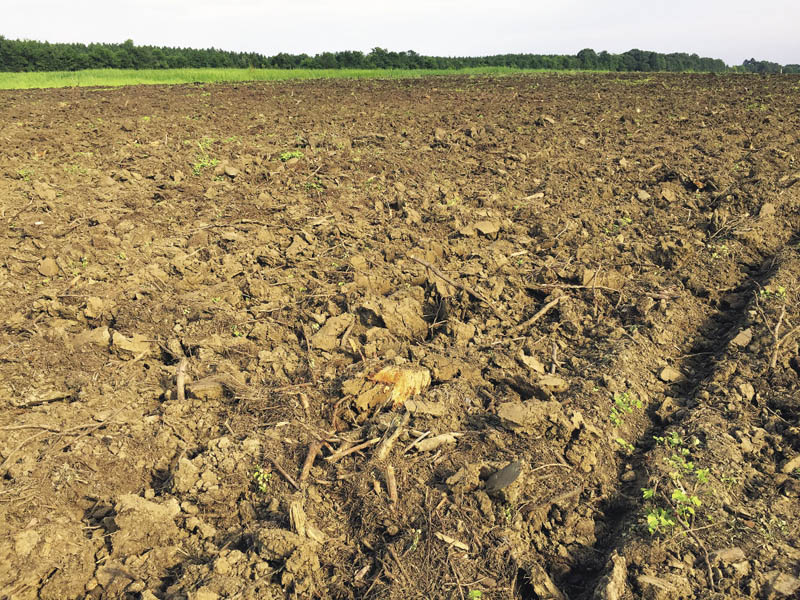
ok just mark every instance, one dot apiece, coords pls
pixel 120 77
pixel 28 56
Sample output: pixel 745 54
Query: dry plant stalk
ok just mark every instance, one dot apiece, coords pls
pixel 780 340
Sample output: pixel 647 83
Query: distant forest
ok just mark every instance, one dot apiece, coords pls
pixel 26 55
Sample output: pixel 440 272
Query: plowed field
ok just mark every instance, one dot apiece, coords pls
pixel 587 289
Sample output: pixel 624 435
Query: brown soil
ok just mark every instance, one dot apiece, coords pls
pixel 534 246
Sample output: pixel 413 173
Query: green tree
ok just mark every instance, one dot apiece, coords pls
pixel 588 59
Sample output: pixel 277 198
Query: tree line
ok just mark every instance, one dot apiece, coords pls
pixel 28 55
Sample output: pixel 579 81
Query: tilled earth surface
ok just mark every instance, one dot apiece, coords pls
pixel 592 279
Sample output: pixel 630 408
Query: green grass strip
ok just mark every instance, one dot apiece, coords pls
pixel 121 77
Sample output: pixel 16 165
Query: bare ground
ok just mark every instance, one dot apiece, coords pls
pixel 599 275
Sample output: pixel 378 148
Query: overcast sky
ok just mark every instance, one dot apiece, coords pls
pixel 732 30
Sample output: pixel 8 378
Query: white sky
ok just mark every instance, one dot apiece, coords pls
pixel 732 30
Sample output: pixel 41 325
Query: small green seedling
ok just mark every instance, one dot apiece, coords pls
pixel 284 156
pixel 261 478
pixel 203 159
pixel 624 404
pixel 508 513
pixel 415 541
pixel 684 484
pixel 625 444
pixel 674 439
pixel 778 292
pixel 685 503
pixel 720 251
pixel 659 521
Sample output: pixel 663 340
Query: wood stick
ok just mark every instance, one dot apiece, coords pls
pixel 232 224
pixel 342 453
pixel 458 579
pixel 309 355
pixel 313 450
pixel 565 496
pixel 779 342
pixel 287 388
pixel 391 485
pixel 416 441
pixel 537 316
pixel 571 286
pixel 788 335
pixel 374 581
pixel 18 448
pixel 399 564
pixel 775 334
pixel 386 445
pixel 286 476
pixel 47 399
pixel 180 380
pixel 17 427
pixel 304 402
pixel 461 286
pixel 88 429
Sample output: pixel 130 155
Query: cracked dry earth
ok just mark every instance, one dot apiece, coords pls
pixel 523 337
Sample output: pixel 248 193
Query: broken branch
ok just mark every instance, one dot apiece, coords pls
pixel 538 315
pixel 313 450
pixel 286 476
pixel 342 453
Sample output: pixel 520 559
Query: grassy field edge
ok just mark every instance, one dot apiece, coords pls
pixel 123 77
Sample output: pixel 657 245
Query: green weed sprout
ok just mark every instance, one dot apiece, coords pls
pixel 625 444
pixel 261 478
pixel 284 156
pixel 624 404
pixel 685 481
